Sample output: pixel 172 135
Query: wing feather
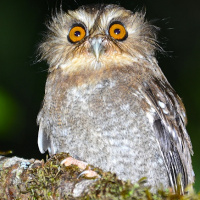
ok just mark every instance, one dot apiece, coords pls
pixel 169 121
pixel 43 140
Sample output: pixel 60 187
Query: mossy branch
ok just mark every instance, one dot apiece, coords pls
pixel 35 179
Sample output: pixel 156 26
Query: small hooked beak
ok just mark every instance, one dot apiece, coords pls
pixel 97 47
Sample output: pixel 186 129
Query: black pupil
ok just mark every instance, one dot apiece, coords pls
pixel 117 31
pixel 77 33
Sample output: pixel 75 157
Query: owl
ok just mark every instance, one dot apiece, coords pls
pixel 107 101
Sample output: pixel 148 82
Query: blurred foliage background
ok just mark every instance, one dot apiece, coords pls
pixel 22 81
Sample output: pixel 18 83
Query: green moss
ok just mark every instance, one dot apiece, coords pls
pixel 45 180
pixel 110 188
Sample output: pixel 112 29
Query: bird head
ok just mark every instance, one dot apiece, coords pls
pixel 97 36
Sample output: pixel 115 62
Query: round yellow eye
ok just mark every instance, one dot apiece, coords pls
pixel 117 31
pixel 77 33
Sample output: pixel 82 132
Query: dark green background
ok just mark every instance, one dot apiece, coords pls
pixel 22 82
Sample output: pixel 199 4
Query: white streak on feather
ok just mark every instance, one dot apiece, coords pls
pixel 150 117
pixel 161 104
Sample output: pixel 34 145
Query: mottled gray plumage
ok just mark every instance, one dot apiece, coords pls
pixel 108 103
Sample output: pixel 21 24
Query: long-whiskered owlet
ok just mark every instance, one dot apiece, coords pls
pixel 107 101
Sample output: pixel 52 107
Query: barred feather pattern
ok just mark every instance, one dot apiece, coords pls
pixel 168 117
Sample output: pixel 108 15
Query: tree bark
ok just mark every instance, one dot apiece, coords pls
pixel 35 179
